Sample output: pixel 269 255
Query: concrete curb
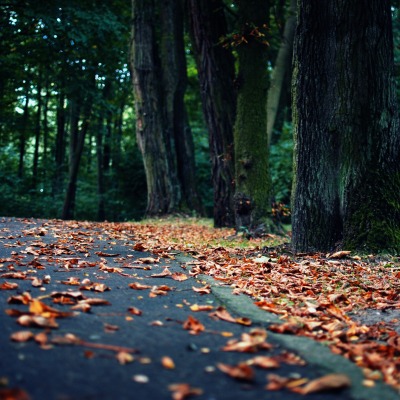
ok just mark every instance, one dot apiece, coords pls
pixel 311 351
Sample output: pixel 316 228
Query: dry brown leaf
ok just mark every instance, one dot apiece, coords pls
pixel 193 325
pixel 138 286
pixel 24 298
pixel 135 311
pixel 165 272
pixel 327 382
pixel 179 276
pixel 22 336
pixel 340 254
pixel 37 321
pixel 181 391
pixel 264 362
pixel 202 290
pixel 241 371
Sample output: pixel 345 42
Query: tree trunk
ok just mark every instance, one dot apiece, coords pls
pixel 163 195
pixel 281 69
pixel 60 143
pixel 346 127
pixel 216 75
pixel 77 140
pixel 37 133
pixel 253 184
pixel 23 134
pixel 173 62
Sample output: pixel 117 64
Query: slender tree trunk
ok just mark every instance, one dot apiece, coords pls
pixel 281 69
pixel 23 134
pixel 77 140
pixel 216 75
pixel 253 184
pixel 101 209
pixel 347 171
pixel 163 195
pixel 37 133
pixel 46 128
pixel 173 62
pixel 60 143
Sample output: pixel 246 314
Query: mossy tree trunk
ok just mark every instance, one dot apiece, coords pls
pixel 346 127
pixel 216 75
pixel 252 178
pixel 163 193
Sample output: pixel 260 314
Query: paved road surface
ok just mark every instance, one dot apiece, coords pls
pixel 88 367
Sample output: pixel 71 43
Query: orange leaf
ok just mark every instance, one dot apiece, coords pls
pixel 167 362
pixel 8 286
pixel 240 371
pixel 193 325
pixel 181 391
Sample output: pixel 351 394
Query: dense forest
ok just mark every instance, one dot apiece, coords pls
pixel 117 110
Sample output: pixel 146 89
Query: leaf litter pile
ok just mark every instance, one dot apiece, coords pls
pixel 315 295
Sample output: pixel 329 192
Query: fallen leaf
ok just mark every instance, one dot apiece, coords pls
pixel 179 276
pixel 22 336
pixel 197 307
pixel 193 325
pixel 167 362
pixel 24 298
pixel 327 382
pixel 102 254
pixel 138 286
pixel 264 362
pixel 241 371
pixel 8 286
pixel 13 394
pixel 135 311
pixel 181 391
pixel 124 358
pixel 36 282
pixel 37 321
pixel 202 290
pixel 340 254
pixel 147 260
pixel 165 272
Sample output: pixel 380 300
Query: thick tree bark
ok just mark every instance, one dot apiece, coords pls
pixel 346 127
pixel 163 194
pixel 216 75
pixel 253 184
pixel 173 62
pixel 281 69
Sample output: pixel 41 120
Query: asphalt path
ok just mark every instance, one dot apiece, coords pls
pixel 139 343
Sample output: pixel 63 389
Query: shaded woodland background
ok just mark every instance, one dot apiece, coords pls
pixel 66 95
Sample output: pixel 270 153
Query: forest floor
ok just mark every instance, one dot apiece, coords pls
pixel 348 302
